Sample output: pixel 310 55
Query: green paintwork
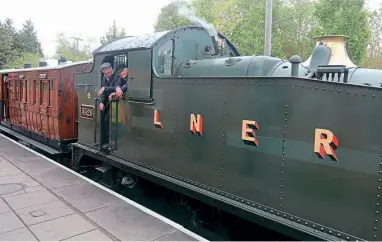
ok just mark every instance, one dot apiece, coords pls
pixel 282 179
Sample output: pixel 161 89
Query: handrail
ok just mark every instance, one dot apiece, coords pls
pixel 95 120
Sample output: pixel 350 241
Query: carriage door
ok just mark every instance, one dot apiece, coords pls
pixel 5 98
pixel 1 98
pixel 44 104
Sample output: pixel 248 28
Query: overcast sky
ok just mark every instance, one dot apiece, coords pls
pixel 86 18
pixel 82 18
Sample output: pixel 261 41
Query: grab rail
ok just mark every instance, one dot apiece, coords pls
pixel 95 120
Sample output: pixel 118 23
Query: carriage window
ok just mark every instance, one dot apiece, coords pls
pixel 16 89
pixel 22 90
pixel 164 59
pixel 25 90
pixel 51 94
pixel 29 92
pixel 36 86
pixel 42 92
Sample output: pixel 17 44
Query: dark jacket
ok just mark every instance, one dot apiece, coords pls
pixel 109 87
pixel 122 83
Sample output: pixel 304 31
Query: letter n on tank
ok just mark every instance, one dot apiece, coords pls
pixel 196 124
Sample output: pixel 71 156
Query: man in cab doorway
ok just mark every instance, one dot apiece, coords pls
pixel 108 82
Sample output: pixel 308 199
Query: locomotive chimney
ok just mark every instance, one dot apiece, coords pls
pixel 337 44
pixel 27 65
pixel 42 64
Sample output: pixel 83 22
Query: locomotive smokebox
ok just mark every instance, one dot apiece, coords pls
pixel 27 65
pixel 337 44
pixel 42 64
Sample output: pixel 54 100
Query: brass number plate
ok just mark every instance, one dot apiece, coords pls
pixel 87 111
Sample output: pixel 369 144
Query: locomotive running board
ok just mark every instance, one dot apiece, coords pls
pixel 30 141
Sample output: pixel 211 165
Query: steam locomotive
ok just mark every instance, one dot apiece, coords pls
pixel 291 145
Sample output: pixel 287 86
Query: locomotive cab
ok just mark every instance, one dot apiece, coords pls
pixel 148 57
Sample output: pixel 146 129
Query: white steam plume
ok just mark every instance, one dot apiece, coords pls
pixel 190 14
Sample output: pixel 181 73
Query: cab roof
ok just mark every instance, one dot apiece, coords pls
pixel 147 41
pixel 131 42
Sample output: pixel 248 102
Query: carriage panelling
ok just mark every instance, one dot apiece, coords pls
pixel 67 105
pixel 5 93
pixel 1 97
pixel 23 103
pixel 48 110
pixel 13 103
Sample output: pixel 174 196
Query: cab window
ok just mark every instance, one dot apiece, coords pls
pixel 164 59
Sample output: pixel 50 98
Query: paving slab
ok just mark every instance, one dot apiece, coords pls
pixel 16 152
pixel 22 234
pixel 3 207
pixel 94 235
pixel 33 164
pixel 86 197
pixel 44 212
pixel 9 189
pixel 126 222
pixel 56 177
pixel 9 221
pixel 30 199
pixel 19 178
pixel 6 169
pixel 6 145
pixel 61 228
pixel 176 236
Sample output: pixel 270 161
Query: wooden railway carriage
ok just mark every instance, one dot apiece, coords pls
pixel 38 105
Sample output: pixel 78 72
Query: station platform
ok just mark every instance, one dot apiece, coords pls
pixel 41 200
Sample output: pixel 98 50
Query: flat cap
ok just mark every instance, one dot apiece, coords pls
pixel 105 65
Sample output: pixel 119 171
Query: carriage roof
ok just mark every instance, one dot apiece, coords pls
pixel 45 68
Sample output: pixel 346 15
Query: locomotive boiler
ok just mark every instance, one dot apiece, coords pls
pixel 291 145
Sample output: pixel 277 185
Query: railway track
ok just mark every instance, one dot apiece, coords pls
pixel 198 217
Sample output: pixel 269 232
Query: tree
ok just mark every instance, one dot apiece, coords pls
pixel 18 62
pixel 5 46
pixel 169 18
pixel 375 42
pixel 294 28
pixel 18 45
pixel 113 34
pixel 295 23
pixel 345 17
pixel 28 37
pixel 68 49
pixel 14 37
